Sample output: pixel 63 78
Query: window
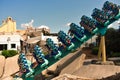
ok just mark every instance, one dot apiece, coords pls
pixel 13 45
pixel 3 46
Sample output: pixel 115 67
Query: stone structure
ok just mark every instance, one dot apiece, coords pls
pixel 2 64
pixel 8 25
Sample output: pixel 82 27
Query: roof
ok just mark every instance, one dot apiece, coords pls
pixel 33 40
pixel 43 26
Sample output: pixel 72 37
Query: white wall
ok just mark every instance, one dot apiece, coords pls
pixel 10 39
pixel 54 38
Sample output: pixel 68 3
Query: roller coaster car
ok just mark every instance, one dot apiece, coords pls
pixel 111 8
pixel 50 43
pixel 65 39
pixel 40 57
pixel 25 65
pixel 57 54
pixel 87 27
pixel 41 61
pixel 100 16
pixel 77 32
pixel 88 23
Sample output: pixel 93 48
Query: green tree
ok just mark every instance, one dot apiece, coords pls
pixel 112 41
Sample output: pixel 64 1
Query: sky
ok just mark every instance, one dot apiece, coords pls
pixel 55 14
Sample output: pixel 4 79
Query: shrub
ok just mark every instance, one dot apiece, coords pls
pixel 12 52
pixel 115 54
pixel 95 50
pixel 5 53
pixel 9 53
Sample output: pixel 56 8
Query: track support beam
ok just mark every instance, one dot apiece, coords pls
pixel 102 50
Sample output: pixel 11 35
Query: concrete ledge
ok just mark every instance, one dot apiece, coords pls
pixel 63 62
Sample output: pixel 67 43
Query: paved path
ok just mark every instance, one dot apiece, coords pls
pixel 97 71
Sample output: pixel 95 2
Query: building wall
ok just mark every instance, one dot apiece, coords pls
pixel 54 38
pixel 9 40
pixel 21 32
pixel 8 25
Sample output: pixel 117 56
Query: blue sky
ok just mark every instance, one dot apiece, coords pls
pixel 53 13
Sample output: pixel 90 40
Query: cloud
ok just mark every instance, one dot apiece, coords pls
pixel 29 24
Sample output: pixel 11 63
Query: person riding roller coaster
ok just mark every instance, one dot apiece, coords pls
pixel 111 8
pixel 86 26
pixel 76 31
pixel 88 23
pixel 100 15
pixel 68 40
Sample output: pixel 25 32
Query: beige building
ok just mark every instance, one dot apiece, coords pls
pixel 9 37
pixel 8 25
